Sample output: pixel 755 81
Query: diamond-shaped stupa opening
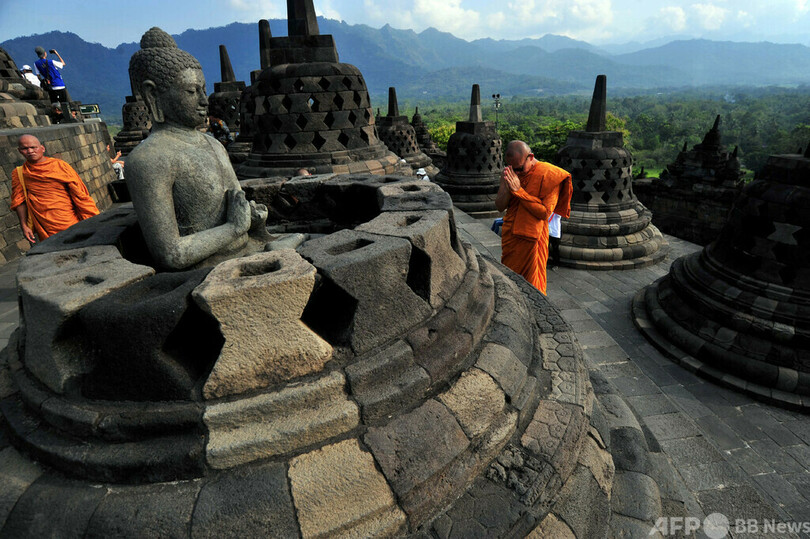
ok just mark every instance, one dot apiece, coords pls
pixel 318 141
pixel 324 83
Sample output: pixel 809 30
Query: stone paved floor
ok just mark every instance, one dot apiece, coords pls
pixel 736 456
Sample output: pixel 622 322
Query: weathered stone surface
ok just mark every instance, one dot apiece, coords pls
pixel 145 361
pixel 346 259
pixel 159 510
pixel 279 422
pixel 258 301
pixel 52 504
pixel 552 526
pixel 53 287
pixel 475 401
pixel 417 446
pixel 500 363
pixel 16 474
pixel 240 502
pixel 583 505
pixel 636 495
pixel 599 462
pixel 412 196
pixel 485 510
pixel 338 492
pixel 629 449
pixel 436 268
pixel 387 381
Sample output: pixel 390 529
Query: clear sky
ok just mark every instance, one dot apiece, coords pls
pixel 110 22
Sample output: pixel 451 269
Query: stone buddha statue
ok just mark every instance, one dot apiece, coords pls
pixel 187 198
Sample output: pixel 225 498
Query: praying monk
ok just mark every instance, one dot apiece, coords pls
pixel 47 194
pixel 530 191
pixel 190 206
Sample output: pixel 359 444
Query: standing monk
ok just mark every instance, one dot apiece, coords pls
pixel 50 196
pixel 530 191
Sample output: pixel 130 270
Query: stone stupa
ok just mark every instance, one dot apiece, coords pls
pixel 423 138
pixel 239 149
pixel 474 163
pixel 400 137
pixel 737 312
pixel 311 111
pixel 136 124
pixel 694 195
pixel 609 228
pixel 224 103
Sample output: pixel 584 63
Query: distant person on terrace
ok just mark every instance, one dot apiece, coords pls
pixel 46 193
pixel 49 69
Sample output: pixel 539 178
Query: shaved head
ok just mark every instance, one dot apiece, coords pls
pixel 27 140
pixel 518 148
pixel 519 156
pixel 31 148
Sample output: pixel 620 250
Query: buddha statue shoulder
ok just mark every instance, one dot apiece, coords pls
pixel 186 195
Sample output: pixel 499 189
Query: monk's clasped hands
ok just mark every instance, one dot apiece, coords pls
pixel 511 178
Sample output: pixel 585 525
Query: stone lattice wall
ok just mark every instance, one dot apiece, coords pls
pixel 696 216
pixel 82 145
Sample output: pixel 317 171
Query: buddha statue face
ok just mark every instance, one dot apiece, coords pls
pixel 182 103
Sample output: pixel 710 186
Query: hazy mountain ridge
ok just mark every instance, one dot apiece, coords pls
pixel 434 64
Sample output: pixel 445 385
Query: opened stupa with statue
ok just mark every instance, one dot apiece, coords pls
pixel 608 228
pixel 175 374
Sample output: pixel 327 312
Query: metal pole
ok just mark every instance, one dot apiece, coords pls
pixel 497 98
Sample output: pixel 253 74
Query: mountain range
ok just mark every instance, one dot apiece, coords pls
pixel 433 65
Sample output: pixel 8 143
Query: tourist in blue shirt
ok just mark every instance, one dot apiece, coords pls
pixel 49 69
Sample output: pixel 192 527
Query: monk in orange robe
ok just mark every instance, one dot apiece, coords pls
pixel 54 194
pixel 530 191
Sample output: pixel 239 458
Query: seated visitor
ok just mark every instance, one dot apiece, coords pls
pixel 186 195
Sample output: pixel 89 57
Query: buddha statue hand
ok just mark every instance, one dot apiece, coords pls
pixel 258 220
pixel 239 211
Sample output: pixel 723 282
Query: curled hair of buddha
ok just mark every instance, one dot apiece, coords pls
pixel 159 60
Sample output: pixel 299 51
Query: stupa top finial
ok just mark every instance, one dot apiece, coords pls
pixel 475 104
pixel 597 118
pixel 301 18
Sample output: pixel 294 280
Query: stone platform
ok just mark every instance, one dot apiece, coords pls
pixel 732 455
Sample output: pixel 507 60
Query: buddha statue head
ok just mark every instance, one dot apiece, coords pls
pixel 170 80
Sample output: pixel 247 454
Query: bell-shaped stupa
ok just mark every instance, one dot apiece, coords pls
pixel 311 111
pixel 474 162
pixel 423 138
pixel 609 228
pixel 695 193
pixel 400 137
pixel 737 312
pixel 136 124
pixel 224 102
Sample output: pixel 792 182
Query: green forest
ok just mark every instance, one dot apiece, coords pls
pixel 760 121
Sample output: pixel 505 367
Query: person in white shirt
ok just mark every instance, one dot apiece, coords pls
pixel 28 75
pixel 554 233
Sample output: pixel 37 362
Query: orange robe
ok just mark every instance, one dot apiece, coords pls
pixel 57 197
pixel 524 236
